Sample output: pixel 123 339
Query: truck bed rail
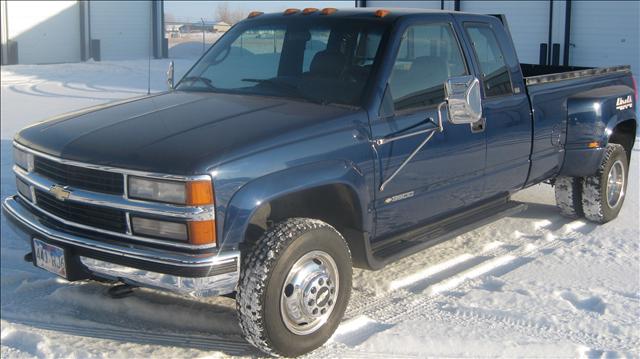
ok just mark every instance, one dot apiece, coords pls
pixel 569 75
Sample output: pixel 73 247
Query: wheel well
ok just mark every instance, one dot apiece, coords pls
pixel 624 134
pixel 335 204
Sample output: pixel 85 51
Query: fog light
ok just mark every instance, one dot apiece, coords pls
pixel 161 229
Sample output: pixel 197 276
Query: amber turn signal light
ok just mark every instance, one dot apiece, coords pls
pixel 328 11
pixel 254 14
pixel 202 232
pixel 291 11
pixel 381 13
pixel 309 10
pixel 199 193
pixel 594 144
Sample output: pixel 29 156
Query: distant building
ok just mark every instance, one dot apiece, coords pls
pixel 172 27
pixel 221 26
pixel 198 26
pixel 172 30
pixel 71 31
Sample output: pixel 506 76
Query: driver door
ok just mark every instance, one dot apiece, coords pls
pixel 447 173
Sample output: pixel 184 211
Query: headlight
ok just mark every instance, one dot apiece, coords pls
pixel 193 193
pixel 22 158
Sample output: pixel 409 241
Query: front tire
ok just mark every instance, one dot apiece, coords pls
pixel 604 192
pixel 294 287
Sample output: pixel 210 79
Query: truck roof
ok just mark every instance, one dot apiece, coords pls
pixel 359 13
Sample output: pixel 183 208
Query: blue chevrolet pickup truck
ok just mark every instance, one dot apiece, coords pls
pixel 307 142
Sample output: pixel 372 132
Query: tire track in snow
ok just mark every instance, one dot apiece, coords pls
pixel 231 346
pixel 471 317
pixel 408 300
pixel 362 301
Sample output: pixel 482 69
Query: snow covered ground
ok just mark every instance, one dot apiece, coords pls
pixel 531 285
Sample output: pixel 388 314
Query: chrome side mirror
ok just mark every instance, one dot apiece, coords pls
pixel 170 76
pixel 463 99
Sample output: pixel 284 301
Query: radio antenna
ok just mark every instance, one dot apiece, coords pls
pixel 149 59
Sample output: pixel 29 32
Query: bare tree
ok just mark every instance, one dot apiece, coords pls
pixel 228 14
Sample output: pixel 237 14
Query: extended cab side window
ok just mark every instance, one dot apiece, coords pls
pixel 495 74
pixel 429 54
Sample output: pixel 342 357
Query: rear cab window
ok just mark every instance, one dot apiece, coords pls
pixel 495 76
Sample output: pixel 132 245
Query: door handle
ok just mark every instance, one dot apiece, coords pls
pixel 479 126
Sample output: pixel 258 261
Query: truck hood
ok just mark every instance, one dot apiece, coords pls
pixel 175 132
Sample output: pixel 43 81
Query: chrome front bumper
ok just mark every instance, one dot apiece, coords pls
pixel 206 274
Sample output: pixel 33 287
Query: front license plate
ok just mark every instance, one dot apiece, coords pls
pixel 49 257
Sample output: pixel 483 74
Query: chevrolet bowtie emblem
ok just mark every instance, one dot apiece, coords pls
pixel 60 192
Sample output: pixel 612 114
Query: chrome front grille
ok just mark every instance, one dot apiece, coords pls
pixel 93 197
pixel 99 217
pixel 79 177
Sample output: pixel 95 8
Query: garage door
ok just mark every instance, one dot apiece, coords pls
pixel 45 31
pixel 528 23
pixel 123 28
pixel 605 34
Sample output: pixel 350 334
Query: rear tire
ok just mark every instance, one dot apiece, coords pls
pixel 603 193
pixel 568 192
pixel 294 287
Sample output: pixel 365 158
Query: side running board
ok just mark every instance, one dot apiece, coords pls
pixel 394 248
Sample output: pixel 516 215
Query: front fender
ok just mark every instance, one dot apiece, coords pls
pixel 249 197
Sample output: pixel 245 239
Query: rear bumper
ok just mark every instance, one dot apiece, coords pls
pixel 199 274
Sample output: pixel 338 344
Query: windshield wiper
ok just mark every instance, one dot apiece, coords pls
pixel 204 80
pixel 293 89
pixel 275 82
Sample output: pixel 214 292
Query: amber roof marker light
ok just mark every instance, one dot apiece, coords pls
pixel 328 11
pixel 382 13
pixel 291 11
pixel 309 10
pixel 254 14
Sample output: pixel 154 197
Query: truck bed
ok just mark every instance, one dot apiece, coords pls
pixel 539 74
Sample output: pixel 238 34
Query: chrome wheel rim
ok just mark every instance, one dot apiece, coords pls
pixel 309 293
pixel 615 184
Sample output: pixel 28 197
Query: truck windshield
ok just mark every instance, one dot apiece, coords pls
pixel 323 60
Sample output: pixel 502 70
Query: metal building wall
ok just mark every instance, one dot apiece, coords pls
pixel 123 28
pixel 528 23
pixel 41 31
pixel 605 33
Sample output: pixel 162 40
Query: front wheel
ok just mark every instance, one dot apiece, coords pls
pixel 294 287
